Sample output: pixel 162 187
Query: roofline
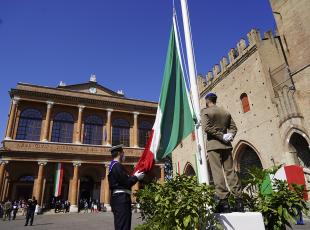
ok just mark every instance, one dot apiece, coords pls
pixel 83 93
pixel 92 83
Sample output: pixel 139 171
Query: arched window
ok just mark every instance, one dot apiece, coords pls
pixel 145 129
pixel 29 126
pixel 93 126
pixel 120 134
pixel 245 102
pixel 189 170
pixel 62 128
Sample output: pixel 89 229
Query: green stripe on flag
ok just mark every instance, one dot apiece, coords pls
pixel 177 118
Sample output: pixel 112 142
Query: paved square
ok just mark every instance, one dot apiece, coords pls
pixel 75 221
pixel 71 221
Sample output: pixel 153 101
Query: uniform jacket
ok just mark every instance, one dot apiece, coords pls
pixel 215 123
pixel 119 178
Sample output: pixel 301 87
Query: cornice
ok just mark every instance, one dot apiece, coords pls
pixel 75 101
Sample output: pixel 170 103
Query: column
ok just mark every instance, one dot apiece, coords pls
pixel 37 188
pixel 107 189
pixel 74 187
pixel 108 127
pixel 9 131
pixel 2 174
pixel 102 188
pixel 79 124
pixel 135 129
pixel 4 188
pixel 47 121
pixel 162 174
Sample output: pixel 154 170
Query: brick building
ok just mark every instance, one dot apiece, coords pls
pixel 264 83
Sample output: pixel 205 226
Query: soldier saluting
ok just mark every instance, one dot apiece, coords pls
pixel 120 185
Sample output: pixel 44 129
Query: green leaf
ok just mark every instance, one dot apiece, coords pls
pixel 186 221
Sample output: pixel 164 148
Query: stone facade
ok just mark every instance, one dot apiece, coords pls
pixel 32 146
pixel 264 83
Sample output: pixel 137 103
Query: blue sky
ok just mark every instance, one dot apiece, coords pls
pixel 124 42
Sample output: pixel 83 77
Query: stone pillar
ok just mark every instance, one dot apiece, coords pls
pixel 79 125
pixel 3 189
pixel 9 131
pixel 38 185
pixel 107 189
pixel 74 187
pixel 135 129
pixel 6 188
pixel 108 127
pixel 102 188
pixel 2 175
pixel 47 121
pixel 162 174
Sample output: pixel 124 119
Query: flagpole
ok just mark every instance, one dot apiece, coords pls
pixel 201 152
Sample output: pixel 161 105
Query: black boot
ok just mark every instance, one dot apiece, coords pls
pixel 239 206
pixel 223 206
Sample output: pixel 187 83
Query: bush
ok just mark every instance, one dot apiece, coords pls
pixel 181 203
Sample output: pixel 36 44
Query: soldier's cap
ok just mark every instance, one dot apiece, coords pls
pixel 116 148
pixel 210 95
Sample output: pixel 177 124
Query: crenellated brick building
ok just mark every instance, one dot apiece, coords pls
pixel 264 83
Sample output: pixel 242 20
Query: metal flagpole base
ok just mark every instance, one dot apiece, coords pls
pixel 241 220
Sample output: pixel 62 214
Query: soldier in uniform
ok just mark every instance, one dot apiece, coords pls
pixel 120 185
pixel 221 130
pixel 30 210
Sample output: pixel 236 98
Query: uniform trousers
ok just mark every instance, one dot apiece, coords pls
pixel 121 208
pixel 29 216
pixel 222 159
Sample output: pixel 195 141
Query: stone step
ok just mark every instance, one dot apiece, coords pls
pixel 242 221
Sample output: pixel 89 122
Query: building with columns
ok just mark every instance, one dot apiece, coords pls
pixel 75 125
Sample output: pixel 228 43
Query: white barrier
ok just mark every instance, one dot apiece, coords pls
pixel 242 221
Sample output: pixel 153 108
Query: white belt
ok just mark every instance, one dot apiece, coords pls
pixel 122 191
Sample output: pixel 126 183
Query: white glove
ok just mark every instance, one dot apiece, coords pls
pixel 227 137
pixel 230 136
pixel 139 175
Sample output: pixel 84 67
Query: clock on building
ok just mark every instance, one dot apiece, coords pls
pixel 92 90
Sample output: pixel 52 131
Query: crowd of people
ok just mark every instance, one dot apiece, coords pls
pixel 9 209
pixel 93 205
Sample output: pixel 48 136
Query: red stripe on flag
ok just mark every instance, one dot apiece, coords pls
pixel 295 175
pixel 146 161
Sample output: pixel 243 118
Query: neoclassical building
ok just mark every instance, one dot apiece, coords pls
pixel 264 83
pixel 75 125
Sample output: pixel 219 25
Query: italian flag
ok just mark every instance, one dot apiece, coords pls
pixel 174 118
pixel 58 179
pixel 292 174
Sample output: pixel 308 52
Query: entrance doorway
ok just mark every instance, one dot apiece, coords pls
pixel 86 188
pixel 300 144
pixel 248 158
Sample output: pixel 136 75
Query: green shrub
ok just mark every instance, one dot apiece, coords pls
pixel 181 203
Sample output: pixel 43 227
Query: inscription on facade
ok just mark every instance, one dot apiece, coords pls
pixel 60 148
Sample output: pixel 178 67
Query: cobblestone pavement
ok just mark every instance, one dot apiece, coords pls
pixel 86 221
pixel 103 221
